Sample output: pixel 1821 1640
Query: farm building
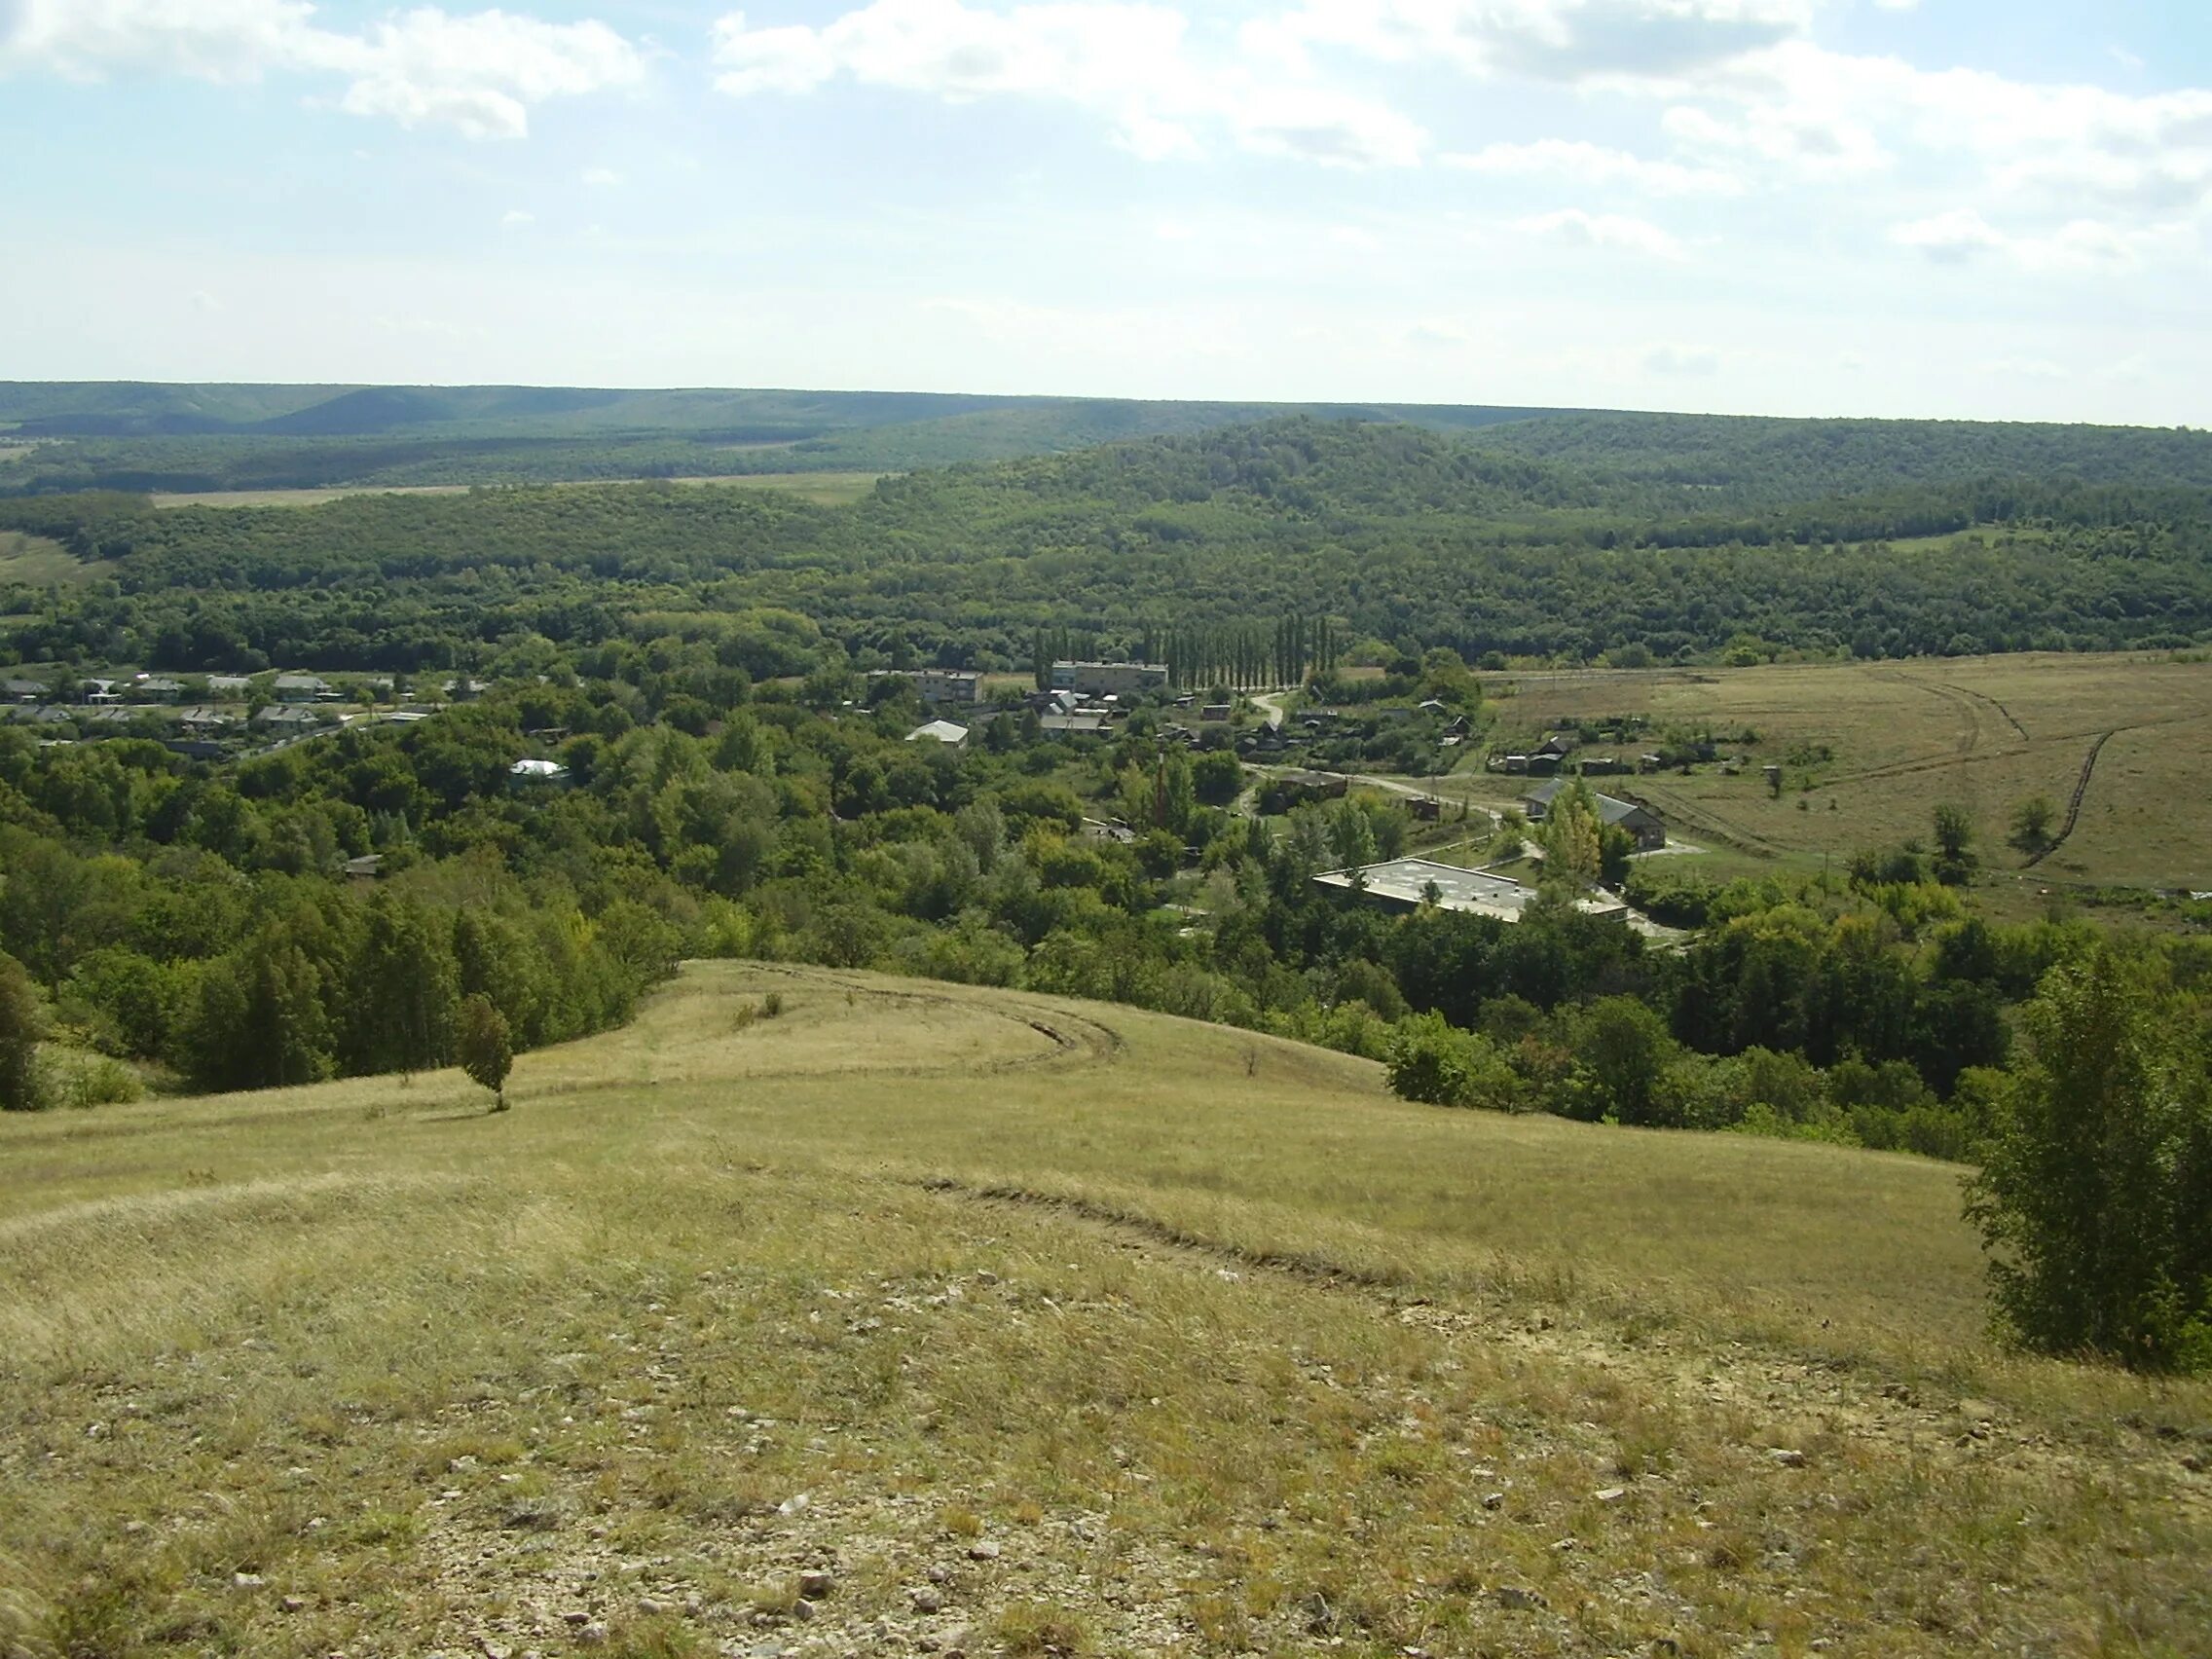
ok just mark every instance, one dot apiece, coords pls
pixel 1406 884
pixel 1638 820
pixel 524 773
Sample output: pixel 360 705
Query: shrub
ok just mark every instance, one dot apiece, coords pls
pixel 1433 1061
pixel 487 1053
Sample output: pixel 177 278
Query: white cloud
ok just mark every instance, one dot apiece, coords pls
pixel 2080 244
pixel 1795 142
pixel 1589 164
pixel 1313 124
pixel 1948 237
pixel 1547 40
pixel 603 178
pixel 1896 4
pixel 1573 227
pixel 480 72
pixel 1128 63
pixel 1674 359
pixel 1810 113
pixel 2032 368
pixel 514 218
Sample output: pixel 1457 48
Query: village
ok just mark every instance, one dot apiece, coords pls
pixel 1316 754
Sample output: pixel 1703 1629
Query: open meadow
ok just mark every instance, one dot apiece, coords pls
pixel 36 561
pixel 1867 750
pixel 827 1312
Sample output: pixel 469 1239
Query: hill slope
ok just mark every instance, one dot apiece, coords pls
pixel 1039 1327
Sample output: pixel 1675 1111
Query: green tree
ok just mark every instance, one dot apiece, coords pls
pixel 1573 837
pixel 404 987
pixel 2030 825
pixel 22 1024
pixel 487 1053
pixel 1954 845
pixel 2092 1197
pixel 1627 1050
pixel 1218 777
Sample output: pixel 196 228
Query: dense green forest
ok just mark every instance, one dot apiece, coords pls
pixel 1410 537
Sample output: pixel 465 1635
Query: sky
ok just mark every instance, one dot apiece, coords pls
pixel 1987 208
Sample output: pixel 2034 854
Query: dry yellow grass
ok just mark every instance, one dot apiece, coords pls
pixel 1078 1328
pixel 1984 733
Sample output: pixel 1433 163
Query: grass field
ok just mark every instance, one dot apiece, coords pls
pixel 35 560
pixel 827 489
pixel 1983 732
pixel 1037 1327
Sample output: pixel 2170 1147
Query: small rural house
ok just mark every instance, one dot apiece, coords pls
pixel 947 732
pixel 1639 821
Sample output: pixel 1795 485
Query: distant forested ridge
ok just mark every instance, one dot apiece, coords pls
pixel 185 439
pixel 1877 539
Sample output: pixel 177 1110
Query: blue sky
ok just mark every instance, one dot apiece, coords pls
pixel 1999 208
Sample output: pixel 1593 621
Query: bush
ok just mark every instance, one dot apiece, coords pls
pixel 77 1078
pixel 487 1054
pixel 1432 1061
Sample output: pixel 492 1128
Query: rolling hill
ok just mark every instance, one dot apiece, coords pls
pixel 820 1311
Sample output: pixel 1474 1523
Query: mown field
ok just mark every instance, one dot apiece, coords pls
pixel 1984 733
pixel 1034 1327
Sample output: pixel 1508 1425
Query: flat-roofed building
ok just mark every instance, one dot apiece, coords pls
pixel 1406 884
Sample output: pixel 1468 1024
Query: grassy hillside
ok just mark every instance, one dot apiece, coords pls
pixel 1038 1327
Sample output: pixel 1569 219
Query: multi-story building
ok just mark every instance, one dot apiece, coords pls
pixel 1109 678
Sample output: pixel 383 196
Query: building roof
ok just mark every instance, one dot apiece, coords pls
pixel 303 682
pixel 1406 881
pixel 942 731
pixel 546 769
pixel 1072 722
pixel 1611 809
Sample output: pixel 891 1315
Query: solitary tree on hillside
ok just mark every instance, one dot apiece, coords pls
pixel 1954 846
pixel 2030 825
pixel 486 1053
pixel 23 1022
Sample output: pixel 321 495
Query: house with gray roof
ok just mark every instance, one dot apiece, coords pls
pixel 1639 820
